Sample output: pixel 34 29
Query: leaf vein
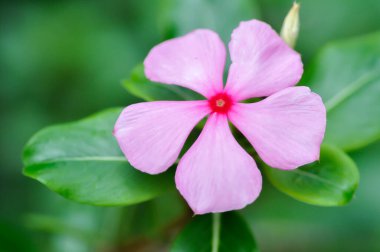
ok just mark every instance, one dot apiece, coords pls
pixel 350 89
pixel 318 178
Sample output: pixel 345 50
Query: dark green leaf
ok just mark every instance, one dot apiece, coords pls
pixel 332 181
pixel 347 76
pixel 216 233
pixel 82 162
pixel 222 16
pixel 141 87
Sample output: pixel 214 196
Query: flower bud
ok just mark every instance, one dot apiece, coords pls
pixel 291 25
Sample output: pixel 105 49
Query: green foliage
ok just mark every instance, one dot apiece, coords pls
pixel 141 87
pixel 215 233
pixel 354 227
pixel 347 76
pixel 82 161
pixel 12 238
pixel 64 49
pixel 180 17
pixel 331 181
pixel 325 20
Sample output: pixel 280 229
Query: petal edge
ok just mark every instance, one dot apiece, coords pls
pixel 152 134
pixel 262 63
pixel 195 60
pixel 216 174
pixel 286 129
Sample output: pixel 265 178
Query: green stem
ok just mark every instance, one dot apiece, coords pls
pixel 215 231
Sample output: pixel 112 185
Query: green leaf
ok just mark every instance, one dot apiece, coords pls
pixel 331 181
pixel 222 16
pixel 215 233
pixel 347 76
pixel 139 86
pixel 82 162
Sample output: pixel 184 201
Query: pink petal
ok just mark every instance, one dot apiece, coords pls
pixel 152 134
pixel 194 61
pixel 262 63
pixel 216 174
pixel 286 129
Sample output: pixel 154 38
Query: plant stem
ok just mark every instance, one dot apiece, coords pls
pixel 215 231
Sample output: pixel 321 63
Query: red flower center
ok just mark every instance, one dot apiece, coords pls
pixel 220 103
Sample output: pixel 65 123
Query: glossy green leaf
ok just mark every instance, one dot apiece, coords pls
pixel 139 86
pixel 215 233
pixel 82 162
pixel 222 16
pixel 347 76
pixel 332 181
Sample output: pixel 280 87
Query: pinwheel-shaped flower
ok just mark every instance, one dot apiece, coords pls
pixel 216 174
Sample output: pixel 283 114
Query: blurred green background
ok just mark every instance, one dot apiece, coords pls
pixel 63 60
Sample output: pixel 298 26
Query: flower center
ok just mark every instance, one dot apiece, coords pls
pixel 220 103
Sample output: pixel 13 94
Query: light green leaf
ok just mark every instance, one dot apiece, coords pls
pixel 82 162
pixel 347 76
pixel 215 233
pixel 139 86
pixel 332 181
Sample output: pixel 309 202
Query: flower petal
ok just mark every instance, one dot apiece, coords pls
pixel 262 63
pixel 194 61
pixel 216 174
pixel 286 129
pixel 152 134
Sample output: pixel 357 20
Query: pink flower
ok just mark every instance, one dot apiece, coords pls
pixel 216 174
